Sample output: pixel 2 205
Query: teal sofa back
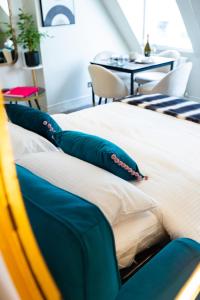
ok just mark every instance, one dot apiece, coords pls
pixel 75 238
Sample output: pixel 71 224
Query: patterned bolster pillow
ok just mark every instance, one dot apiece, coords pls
pixel 99 152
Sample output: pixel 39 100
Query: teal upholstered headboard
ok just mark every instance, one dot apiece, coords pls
pixel 75 239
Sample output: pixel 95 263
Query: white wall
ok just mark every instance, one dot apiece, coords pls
pixel 190 11
pixel 122 24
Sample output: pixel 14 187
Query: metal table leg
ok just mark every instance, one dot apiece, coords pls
pixel 172 65
pixel 93 97
pixel 132 84
pixel 100 98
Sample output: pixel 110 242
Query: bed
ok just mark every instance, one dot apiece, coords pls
pixel 166 149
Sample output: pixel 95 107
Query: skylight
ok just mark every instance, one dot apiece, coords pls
pixel 161 19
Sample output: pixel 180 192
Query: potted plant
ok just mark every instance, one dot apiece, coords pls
pixel 29 38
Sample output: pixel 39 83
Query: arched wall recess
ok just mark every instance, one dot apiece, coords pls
pixel 196 7
pixel 190 17
pixel 196 10
pixel 122 24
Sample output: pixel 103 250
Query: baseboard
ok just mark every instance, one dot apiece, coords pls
pixel 190 97
pixel 69 104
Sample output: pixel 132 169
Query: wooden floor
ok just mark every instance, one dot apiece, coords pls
pixel 77 109
pixel 85 106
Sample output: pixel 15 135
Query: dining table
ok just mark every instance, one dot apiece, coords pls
pixel 136 66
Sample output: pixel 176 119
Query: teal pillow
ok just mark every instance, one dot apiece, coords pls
pixel 33 119
pixel 99 152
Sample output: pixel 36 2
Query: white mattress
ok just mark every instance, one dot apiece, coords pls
pixel 135 235
pixel 166 149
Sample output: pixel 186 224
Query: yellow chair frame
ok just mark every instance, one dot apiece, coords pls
pixel 17 242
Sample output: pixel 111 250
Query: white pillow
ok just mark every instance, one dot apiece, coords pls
pixel 116 197
pixel 24 141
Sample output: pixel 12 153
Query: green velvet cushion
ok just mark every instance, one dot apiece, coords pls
pixel 164 275
pixel 74 237
pixel 99 152
pixel 33 119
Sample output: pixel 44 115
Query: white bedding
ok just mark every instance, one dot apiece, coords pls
pixel 128 209
pixel 117 198
pixel 166 149
pixel 136 234
pixel 25 141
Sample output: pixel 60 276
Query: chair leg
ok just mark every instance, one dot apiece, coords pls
pixel 29 102
pixel 37 104
pixel 106 100
pixel 100 98
pixel 93 97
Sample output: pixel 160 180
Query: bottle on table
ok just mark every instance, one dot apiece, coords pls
pixel 147 48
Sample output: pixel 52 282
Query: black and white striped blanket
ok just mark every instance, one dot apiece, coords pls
pixel 173 106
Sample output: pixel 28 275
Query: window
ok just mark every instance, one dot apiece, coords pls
pixel 161 19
